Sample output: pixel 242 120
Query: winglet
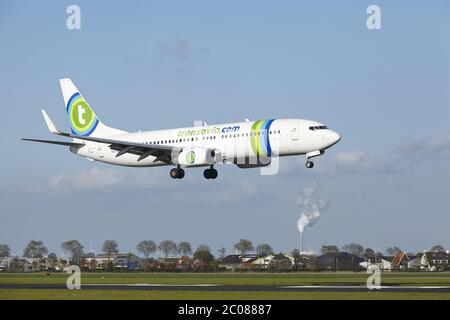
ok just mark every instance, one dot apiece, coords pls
pixel 49 122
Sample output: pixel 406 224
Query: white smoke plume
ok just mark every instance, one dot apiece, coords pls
pixel 310 207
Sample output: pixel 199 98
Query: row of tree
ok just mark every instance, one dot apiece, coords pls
pixel 358 250
pixel 75 250
pixel 37 249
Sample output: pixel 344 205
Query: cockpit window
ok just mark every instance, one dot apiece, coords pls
pixel 317 128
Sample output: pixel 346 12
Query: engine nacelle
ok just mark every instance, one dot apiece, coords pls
pixel 195 157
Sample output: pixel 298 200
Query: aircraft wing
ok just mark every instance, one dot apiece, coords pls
pixel 160 152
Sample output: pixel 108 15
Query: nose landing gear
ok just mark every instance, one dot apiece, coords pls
pixel 210 173
pixel 309 164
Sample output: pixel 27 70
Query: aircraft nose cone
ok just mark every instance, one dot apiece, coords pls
pixel 333 137
pixel 336 137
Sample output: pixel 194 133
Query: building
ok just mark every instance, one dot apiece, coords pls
pixel 183 263
pixel 4 263
pixel 305 262
pixel 435 261
pixel 415 264
pixel 281 262
pixel 400 261
pixel 263 262
pixel 247 262
pixel 235 262
pixel 274 262
pixel 231 262
pixel 117 262
pixel 341 261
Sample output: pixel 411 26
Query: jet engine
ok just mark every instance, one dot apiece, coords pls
pixel 195 157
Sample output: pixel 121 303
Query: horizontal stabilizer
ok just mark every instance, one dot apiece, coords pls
pixel 61 143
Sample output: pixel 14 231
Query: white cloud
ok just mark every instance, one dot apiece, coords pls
pixel 178 49
pixel 360 161
pixel 352 158
pixel 437 146
pixel 248 187
pixel 89 179
pixel 148 177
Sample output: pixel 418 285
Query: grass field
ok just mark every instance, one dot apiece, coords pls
pixel 174 295
pixel 320 278
pixel 391 279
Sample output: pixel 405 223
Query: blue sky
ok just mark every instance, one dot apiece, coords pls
pixel 162 64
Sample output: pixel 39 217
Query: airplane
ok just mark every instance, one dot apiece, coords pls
pixel 249 144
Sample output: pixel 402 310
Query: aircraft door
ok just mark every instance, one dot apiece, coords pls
pixel 294 132
pixel 101 152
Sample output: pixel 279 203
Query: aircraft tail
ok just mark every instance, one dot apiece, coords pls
pixel 82 118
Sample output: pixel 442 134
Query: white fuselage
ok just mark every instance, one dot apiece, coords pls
pixel 232 142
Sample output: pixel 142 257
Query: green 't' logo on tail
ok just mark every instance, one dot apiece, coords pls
pixel 82 118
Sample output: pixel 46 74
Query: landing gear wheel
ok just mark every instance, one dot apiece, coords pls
pixel 210 173
pixel 177 173
pixel 207 174
pixel 309 164
pixel 174 173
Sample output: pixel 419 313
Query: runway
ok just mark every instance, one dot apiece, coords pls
pixel 230 288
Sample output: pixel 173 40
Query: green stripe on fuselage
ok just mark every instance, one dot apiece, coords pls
pixel 255 137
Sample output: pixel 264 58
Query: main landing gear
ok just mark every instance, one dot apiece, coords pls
pixel 210 173
pixel 177 173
